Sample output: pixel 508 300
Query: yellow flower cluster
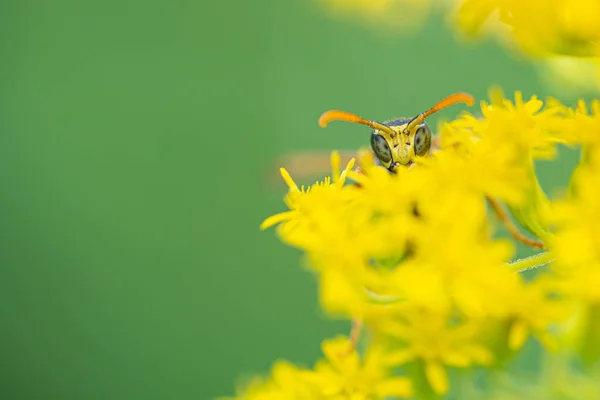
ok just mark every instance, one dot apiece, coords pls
pixel 342 374
pixel 560 27
pixel 413 256
pixel 565 34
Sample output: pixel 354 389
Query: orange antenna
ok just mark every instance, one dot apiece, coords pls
pixel 336 115
pixel 440 105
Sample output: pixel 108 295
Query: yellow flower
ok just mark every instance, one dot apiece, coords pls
pixel 317 218
pixel 527 308
pixel 577 241
pixel 488 167
pixel 343 291
pixel 297 198
pixel 584 126
pixel 563 35
pixel 473 290
pixel 562 27
pixel 576 245
pixel 499 149
pixel 344 375
pixel 509 137
pixel 341 233
pixel 440 251
pixel 533 309
pixel 527 126
pixel 437 342
pixel 287 382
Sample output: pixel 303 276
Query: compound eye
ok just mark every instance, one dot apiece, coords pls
pixel 381 148
pixel 422 140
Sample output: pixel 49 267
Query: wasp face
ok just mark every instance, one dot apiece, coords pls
pixel 402 148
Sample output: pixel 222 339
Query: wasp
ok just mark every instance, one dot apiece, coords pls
pixel 399 142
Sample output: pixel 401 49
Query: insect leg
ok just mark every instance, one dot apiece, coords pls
pixel 508 223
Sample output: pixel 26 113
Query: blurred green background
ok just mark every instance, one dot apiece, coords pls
pixel 135 140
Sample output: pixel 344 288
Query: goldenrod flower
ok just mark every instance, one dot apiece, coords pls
pixel 533 309
pixel 436 341
pixel 563 35
pixel 297 197
pixel 342 375
pixel 583 128
pixel 502 146
pixel 345 375
pixel 528 127
pixel 577 242
pixel 315 217
pixel 286 382
pixel 557 27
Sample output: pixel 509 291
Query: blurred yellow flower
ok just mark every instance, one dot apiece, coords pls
pixel 562 27
pixel 528 127
pixel 285 383
pixel 499 148
pixel 583 127
pixel 345 375
pixel 502 147
pixel 577 242
pixel 341 375
pixel 436 341
pixel 532 310
pixel 562 35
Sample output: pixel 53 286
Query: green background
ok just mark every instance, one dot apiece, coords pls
pixel 135 139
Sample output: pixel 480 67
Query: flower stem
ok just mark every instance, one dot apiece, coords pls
pixel 527 263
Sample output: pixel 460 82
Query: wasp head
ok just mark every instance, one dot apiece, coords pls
pixel 402 147
pixel 401 141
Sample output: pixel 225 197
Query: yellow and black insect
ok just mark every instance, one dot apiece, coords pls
pixel 399 142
